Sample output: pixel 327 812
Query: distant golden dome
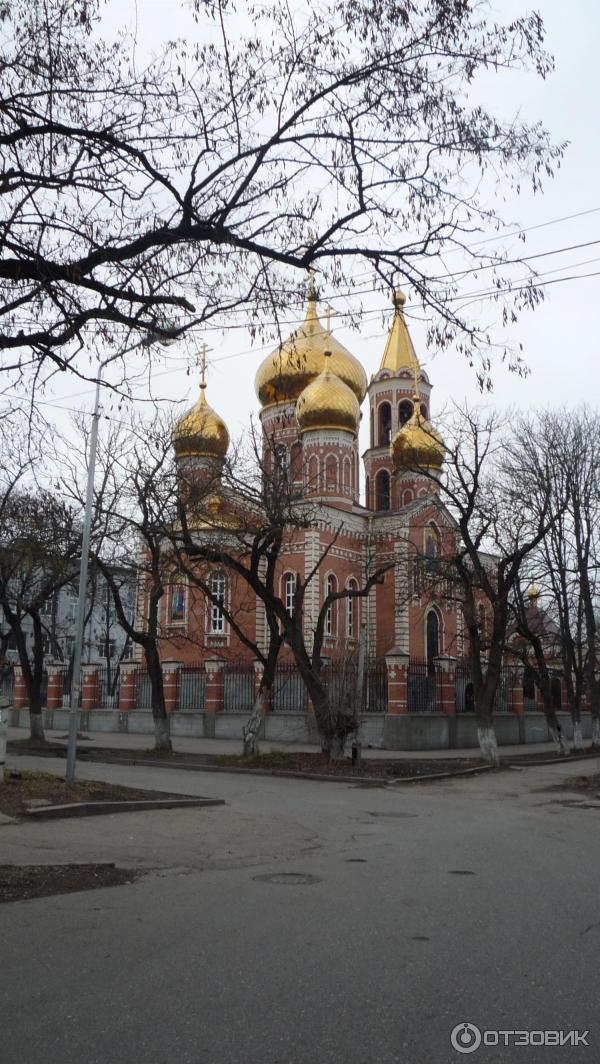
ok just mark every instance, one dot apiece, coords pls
pixel 200 433
pixel 328 403
pixel 286 372
pixel 417 445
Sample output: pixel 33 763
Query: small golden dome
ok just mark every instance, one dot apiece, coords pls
pixel 328 403
pixel 417 445
pixel 287 371
pixel 200 433
pixel 533 596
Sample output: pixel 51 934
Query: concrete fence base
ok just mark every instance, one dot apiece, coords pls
pixel 408 731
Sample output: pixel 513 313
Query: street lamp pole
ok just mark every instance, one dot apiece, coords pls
pixel 75 695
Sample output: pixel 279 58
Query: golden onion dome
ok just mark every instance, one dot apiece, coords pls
pixel 287 371
pixel 200 433
pixel 417 445
pixel 328 403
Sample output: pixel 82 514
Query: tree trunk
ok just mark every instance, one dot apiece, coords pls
pixel 162 738
pixel 36 721
pixel 557 735
pixel 577 734
pixel 252 726
pixel 36 725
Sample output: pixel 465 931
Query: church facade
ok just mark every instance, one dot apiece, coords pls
pixel 311 390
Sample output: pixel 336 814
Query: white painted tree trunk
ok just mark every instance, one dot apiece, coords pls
pixel 560 740
pixel 577 736
pixel 488 745
pixel 595 731
pixel 252 727
pixel 162 738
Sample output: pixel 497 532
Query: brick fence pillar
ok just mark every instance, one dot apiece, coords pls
pixel 20 700
pixel 128 686
pixel 171 672
pixel 447 674
pixel 56 671
pixel 397 675
pixel 90 695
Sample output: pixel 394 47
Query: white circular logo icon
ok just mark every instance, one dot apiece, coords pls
pixel 465 1038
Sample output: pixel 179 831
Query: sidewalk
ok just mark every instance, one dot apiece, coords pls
pixel 127 741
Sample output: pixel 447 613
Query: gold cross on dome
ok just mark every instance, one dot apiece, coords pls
pixel 329 312
pixel 203 353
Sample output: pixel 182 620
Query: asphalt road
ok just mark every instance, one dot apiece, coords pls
pixel 475 900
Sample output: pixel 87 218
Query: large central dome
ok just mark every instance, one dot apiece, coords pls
pixel 287 371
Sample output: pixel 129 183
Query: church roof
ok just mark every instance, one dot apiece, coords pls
pixel 399 352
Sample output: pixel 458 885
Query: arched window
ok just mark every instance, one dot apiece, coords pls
pixel 382 490
pixel 432 635
pixel 313 474
pixel 296 461
pixel 384 414
pixel 347 473
pixel 405 410
pixel 423 409
pixel 351 611
pixel 331 473
pixel 433 543
pixel 331 615
pixel 289 593
pixel 372 427
pixel 178 603
pixel 407 497
pixel 218 586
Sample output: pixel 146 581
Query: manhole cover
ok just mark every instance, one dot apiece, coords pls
pixel 290 879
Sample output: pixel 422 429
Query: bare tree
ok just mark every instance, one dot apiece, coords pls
pixel 133 506
pixel 258 510
pixel 495 535
pixel 208 180
pixel 561 450
pixel 535 641
pixel 40 546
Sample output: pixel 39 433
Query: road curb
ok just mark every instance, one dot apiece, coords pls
pixel 136 805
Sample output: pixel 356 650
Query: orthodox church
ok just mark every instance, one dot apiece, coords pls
pixel 311 390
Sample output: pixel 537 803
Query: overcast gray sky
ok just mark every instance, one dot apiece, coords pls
pixel 560 339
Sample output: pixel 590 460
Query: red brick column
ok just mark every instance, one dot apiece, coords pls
pixel 213 696
pixel 55 685
pixel 128 687
pixel 89 688
pixel 397 673
pixel 20 700
pixel 171 671
pixel 447 685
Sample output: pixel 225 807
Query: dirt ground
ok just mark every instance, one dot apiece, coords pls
pixel 23 790
pixel 22 882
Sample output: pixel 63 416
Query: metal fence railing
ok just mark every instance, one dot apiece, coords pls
pixel 108 686
pixel 376 694
pixel 238 687
pixel 289 690
pixel 422 692
pixel 192 689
